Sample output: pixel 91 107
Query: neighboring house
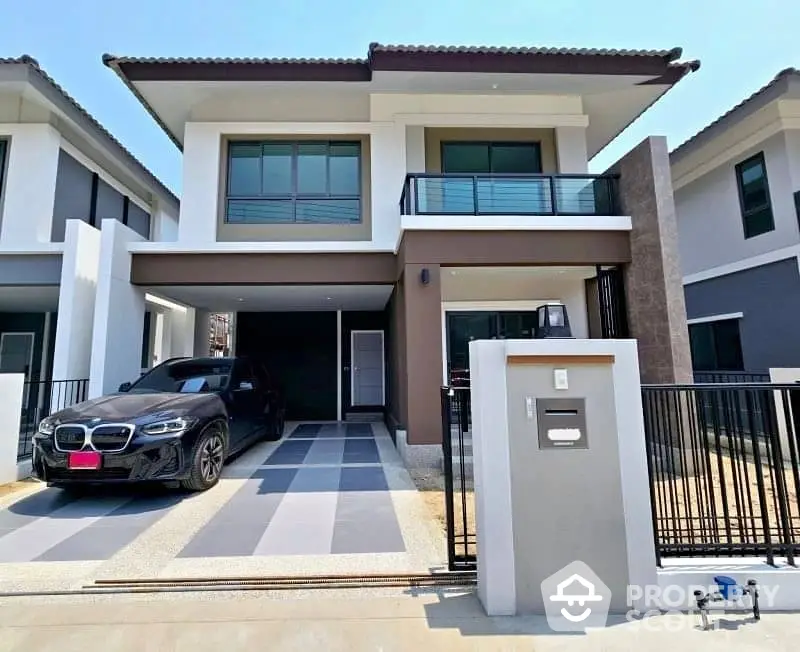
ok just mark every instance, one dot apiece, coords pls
pixel 737 194
pixel 365 219
pixel 61 174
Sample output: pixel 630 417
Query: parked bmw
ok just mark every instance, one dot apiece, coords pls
pixel 179 422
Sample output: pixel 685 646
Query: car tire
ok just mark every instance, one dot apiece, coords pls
pixel 208 458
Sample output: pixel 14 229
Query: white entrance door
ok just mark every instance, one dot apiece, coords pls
pixel 367 365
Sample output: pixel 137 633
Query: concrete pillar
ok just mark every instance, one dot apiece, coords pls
pixel 11 390
pixel 160 341
pixel 423 348
pixel 201 183
pixel 202 328
pixel 119 314
pixel 76 301
pixel 30 184
pixel 415 148
pixel 387 174
pixel 181 332
pixel 571 149
pixel 654 286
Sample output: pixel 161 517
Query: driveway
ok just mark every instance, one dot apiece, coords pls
pixel 328 498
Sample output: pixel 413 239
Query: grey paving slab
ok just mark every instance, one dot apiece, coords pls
pixel 108 535
pixel 35 506
pixel 365 518
pixel 359 430
pixel 310 430
pixel 325 451
pixel 304 521
pixel 28 542
pixel 236 529
pixel 290 452
pixel 363 451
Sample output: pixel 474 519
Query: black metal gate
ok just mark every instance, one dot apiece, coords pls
pixel 613 311
pixel 724 467
pixel 458 478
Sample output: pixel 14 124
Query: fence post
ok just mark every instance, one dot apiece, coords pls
pixel 11 391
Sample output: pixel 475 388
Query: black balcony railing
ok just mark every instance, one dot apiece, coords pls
pixel 509 194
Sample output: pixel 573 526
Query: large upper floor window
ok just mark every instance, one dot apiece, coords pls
pixel 283 182
pixel 491 157
pixel 751 178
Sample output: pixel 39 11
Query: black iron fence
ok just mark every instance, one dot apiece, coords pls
pixel 723 465
pixel 458 478
pixel 41 398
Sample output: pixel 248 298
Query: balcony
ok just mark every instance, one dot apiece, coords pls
pixel 510 195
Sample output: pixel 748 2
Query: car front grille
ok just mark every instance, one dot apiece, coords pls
pixel 110 438
pixel 70 438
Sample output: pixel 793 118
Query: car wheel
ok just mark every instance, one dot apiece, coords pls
pixel 208 457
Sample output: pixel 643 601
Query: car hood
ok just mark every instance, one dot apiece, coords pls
pixel 133 407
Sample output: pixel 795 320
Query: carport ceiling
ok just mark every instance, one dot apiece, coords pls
pixel 28 298
pixel 278 298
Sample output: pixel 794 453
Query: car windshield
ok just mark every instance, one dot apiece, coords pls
pixel 185 376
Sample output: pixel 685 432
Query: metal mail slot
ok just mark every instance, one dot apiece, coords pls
pixel 561 422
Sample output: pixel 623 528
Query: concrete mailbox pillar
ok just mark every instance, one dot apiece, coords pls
pixel 560 471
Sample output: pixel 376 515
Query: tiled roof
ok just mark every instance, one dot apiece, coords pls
pixel 786 73
pixel 672 54
pixel 107 58
pixel 125 154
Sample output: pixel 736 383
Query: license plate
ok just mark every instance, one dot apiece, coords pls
pixel 84 460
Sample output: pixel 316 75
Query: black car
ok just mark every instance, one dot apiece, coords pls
pixel 179 422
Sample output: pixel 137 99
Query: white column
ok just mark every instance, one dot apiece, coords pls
pixel 339 365
pixel 11 389
pixel 388 172
pixel 76 301
pixel 571 148
pixel 30 184
pixel 119 314
pixel 163 223
pixel 160 328
pixel 181 332
pixel 201 183
pixel 415 148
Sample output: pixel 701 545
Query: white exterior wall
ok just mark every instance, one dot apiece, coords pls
pixel 164 223
pixel 29 184
pixel 76 301
pixel 119 314
pixel 708 210
pixel 397 146
pixel 11 390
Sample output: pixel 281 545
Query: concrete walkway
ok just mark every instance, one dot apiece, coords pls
pixel 351 621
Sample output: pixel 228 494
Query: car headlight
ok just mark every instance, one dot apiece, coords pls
pixel 47 426
pixel 169 426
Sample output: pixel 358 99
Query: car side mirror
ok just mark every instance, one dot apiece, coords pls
pixel 124 387
pixel 245 386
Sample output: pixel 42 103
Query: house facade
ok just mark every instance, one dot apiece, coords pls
pixel 737 194
pixel 61 174
pixel 363 220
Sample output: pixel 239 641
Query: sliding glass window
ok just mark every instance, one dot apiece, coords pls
pixel 283 182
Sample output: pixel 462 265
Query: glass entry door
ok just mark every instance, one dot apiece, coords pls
pixel 462 327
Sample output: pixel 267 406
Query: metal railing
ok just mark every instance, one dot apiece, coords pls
pixel 509 194
pixel 730 377
pixel 721 483
pixel 458 478
pixel 41 398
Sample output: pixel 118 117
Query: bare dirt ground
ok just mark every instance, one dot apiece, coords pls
pixel 13 487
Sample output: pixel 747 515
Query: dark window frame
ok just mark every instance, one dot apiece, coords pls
pixel 294 195
pixel 714 344
pixel 3 156
pixel 537 144
pixel 748 213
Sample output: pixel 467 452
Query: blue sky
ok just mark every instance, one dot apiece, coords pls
pixel 741 45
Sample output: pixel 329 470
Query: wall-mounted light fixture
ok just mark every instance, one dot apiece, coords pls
pixel 425 276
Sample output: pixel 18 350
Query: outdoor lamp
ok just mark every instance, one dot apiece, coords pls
pixel 552 321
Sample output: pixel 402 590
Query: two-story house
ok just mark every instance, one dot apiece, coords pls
pixel 365 219
pixel 61 173
pixel 737 193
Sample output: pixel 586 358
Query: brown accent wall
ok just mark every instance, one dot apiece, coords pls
pixel 515 247
pixel 296 232
pixel 263 269
pixel 654 287
pixel 423 354
pixel 434 136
